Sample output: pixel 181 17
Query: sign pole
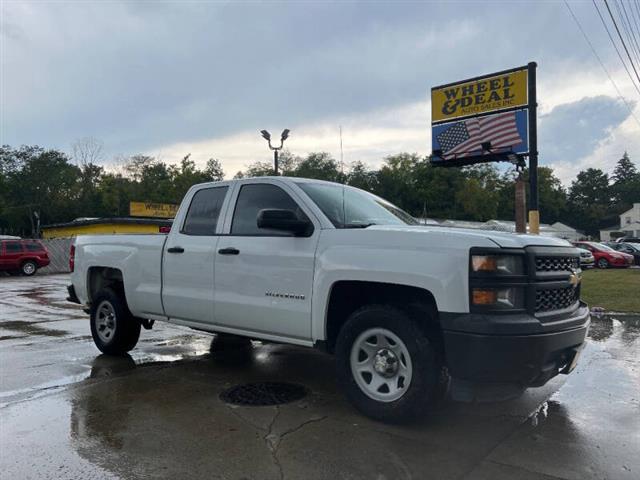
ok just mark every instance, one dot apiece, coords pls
pixel 520 204
pixel 534 214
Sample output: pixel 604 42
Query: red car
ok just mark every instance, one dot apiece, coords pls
pixel 606 257
pixel 22 256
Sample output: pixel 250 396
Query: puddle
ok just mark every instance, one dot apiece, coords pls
pixel 32 328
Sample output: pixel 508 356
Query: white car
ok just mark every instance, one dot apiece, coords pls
pixel 587 260
pixel 318 264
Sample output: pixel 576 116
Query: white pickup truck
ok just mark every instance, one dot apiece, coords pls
pixel 404 307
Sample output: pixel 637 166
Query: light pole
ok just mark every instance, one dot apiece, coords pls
pixel 267 136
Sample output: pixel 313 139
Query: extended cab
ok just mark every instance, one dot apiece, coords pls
pixel 404 307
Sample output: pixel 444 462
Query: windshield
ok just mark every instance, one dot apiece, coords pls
pixel 351 208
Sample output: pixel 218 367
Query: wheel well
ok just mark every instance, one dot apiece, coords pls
pixel 347 296
pixel 103 277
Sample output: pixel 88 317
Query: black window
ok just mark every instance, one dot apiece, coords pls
pixel 204 211
pixel 33 247
pixel 13 247
pixel 252 199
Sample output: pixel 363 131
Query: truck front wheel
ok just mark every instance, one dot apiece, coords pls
pixel 114 330
pixel 387 367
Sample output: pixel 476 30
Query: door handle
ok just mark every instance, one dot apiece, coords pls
pixel 229 251
pixel 175 250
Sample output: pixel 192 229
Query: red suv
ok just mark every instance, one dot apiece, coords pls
pixel 606 256
pixel 22 256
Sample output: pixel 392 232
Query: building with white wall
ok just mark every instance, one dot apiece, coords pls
pixel 629 225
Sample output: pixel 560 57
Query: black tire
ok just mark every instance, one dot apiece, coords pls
pixel 429 380
pixel 603 263
pixel 124 333
pixel 29 268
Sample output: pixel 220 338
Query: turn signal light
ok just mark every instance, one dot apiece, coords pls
pixel 499 264
pixel 484 297
pixel 484 263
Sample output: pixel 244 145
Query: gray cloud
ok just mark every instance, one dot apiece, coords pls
pixel 574 130
pixel 143 74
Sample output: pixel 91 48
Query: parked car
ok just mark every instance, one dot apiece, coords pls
pixel 402 306
pixel 632 249
pixel 628 240
pixel 606 257
pixel 22 256
pixel 587 260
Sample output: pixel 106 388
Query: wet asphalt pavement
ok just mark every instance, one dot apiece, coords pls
pixel 67 412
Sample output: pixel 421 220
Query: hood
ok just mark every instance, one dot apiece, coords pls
pixel 502 239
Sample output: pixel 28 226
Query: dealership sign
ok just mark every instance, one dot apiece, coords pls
pixel 482 119
pixel 482 95
pixel 149 209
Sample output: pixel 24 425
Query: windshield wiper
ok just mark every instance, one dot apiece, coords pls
pixel 357 225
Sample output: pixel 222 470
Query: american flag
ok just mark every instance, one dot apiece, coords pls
pixel 467 136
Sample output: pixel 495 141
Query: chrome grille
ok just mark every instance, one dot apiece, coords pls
pixel 556 264
pixel 556 299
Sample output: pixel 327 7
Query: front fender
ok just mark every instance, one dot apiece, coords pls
pixel 440 269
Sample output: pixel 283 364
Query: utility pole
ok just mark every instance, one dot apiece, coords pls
pixel 341 153
pixel 534 214
pixel 267 136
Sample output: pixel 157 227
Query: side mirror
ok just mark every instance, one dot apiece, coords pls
pixel 285 220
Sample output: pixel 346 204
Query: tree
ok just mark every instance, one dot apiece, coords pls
pixel 552 196
pixel 183 177
pixel 87 150
pixel 37 181
pixel 135 165
pixel 288 163
pixel 213 171
pixel 320 166
pixel 397 181
pixel 258 169
pixel 360 176
pixel 625 170
pixel 626 185
pixel 590 201
pixel 477 202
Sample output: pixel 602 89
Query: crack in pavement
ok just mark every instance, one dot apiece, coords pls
pixel 271 439
pixel 274 440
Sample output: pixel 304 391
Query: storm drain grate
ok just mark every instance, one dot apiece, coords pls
pixel 263 394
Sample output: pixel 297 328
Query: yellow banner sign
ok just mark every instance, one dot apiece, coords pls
pixel 156 210
pixel 473 97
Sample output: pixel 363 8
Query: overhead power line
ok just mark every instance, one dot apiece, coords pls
pixel 636 19
pixel 624 64
pixel 628 28
pixel 584 34
pixel 606 3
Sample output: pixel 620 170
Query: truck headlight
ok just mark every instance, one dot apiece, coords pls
pixel 498 264
pixel 507 297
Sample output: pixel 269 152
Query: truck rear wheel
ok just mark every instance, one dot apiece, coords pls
pixel 114 330
pixel 387 367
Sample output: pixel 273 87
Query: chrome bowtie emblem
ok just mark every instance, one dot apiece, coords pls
pixel 574 278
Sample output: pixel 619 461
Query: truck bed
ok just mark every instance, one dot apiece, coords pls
pixel 139 257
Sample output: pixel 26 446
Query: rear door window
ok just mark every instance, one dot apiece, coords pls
pixel 204 211
pixel 33 247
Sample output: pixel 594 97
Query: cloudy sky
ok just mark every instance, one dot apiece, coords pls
pixel 169 78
